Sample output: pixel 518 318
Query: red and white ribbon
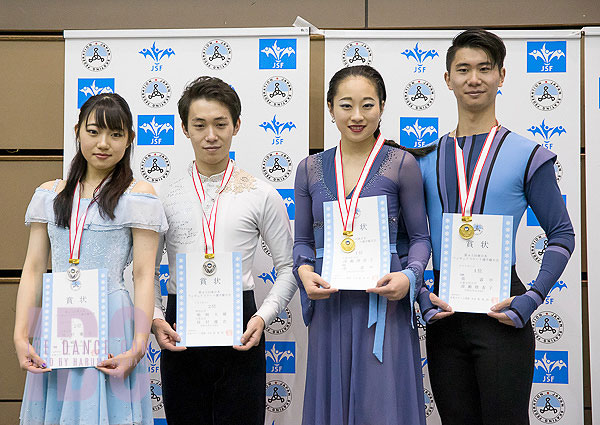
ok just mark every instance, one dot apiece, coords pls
pixel 209 225
pixel 77 222
pixel 348 211
pixel 467 197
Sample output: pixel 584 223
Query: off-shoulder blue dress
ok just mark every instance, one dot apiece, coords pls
pixel 86 395
pixel 346 384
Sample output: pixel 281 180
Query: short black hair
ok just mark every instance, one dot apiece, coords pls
pixel 478 38
pixel 209 88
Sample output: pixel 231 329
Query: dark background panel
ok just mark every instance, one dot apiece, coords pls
pixel 32 91
pixel 111 14
pixel 20 180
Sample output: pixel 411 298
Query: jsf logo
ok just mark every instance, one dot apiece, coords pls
pixel 153 356
pixel 546 56
pixel 420 56
pixel 280 357
pixel 277 128
pixel 158 130
pixel 546 132
pixel 551 368
pixel 156 55
pixel 414 134
pixel 269 277
pixel 91 87
pixel 274 56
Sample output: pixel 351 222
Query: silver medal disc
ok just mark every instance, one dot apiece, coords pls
pixel 209 267
pixel 73 273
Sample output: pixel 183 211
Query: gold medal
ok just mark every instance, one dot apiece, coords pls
pixel 466 231
pixel 348 244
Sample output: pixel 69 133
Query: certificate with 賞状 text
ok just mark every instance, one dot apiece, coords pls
pixel 74 319
pixel 209 299
pixel 360 267
pixel 475 261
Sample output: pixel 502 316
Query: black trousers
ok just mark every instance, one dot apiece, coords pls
pixel 214 385
pixel 480 369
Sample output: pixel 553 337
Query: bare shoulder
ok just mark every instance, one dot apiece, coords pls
pixel 143 187
pixel 49 185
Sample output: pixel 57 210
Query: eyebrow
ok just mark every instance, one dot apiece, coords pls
pixel 349 98
pixel 214 119
pixel 468 64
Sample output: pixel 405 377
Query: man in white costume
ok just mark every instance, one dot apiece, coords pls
pixel 220 385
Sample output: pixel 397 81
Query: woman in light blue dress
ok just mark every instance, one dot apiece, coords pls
pixel 122 224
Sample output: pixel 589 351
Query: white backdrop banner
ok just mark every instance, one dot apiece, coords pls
pixel 540 100
pixel 592 170
pixel 269 69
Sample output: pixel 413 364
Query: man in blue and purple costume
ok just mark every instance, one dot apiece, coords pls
pixel 481 366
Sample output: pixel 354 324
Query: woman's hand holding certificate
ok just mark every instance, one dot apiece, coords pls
pixel 315 286
pixel 394 286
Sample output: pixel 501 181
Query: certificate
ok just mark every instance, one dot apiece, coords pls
pixel 74 319
pixel 361 268
pixel 209 299
pixel 475 269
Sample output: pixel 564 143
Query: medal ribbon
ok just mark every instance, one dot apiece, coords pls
pixel 76 227
pixel 468 197
pixel 209 225
pixel 348 211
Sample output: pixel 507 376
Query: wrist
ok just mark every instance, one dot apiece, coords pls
pixel 261 319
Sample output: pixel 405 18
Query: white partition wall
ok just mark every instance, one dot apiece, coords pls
pixel 540 100
pixel 269 69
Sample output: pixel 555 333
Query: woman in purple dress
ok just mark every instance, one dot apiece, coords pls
pixel 364 362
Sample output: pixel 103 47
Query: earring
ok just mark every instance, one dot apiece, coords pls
pixel 332 119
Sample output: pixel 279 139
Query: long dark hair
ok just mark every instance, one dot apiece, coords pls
pixel 375 78
pixel 110 111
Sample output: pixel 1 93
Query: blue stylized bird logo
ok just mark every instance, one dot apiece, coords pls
pixel 157 54
pixel 419 55
pixel 277 127
pixel 546 131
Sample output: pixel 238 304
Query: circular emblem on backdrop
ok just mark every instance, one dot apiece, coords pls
pixel 281 323
pixel 156 92
pixel 277 91
pixel 265 248
pixel 547 326
pixel 155 167
pixel 421 325
pixel 548 407
pixel 156 395
pixel 419 94
pixel 546 95
pixel 357 53
pixel 96 56
pixel 279 396
pixel 277 166
pixel 558 170
pixel 538 247
pixel 216 54
pixel 429 403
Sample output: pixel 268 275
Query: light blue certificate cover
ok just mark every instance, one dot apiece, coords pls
pixel 470 261
pixel 332 251
pixel 71 297
pixel 182 297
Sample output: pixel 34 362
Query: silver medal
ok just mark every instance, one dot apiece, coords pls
pixel 209 267
pixel 73 273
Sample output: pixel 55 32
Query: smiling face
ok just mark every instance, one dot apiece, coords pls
pixel 357 109
pixel 210 128
pixel 474 80
pixel 102 148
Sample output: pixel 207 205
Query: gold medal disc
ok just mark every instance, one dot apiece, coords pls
pixel 466 231
pixel 348 245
